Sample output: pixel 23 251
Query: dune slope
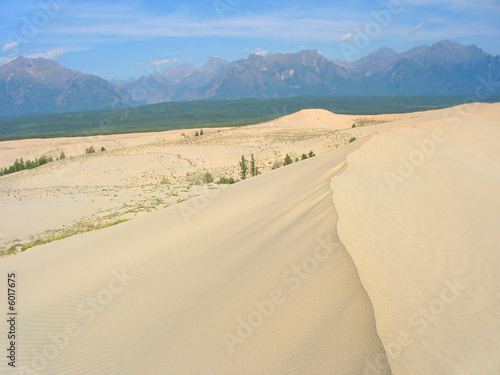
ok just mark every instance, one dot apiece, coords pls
pixel 249 280
pixel 419 213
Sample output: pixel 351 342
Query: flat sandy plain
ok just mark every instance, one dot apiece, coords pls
pixel 374 257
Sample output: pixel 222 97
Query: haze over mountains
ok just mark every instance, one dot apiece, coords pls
pixel 29 86
pixel 446 68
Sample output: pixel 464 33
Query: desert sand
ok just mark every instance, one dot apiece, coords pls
pixel 374 257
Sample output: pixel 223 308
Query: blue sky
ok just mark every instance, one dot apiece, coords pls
pixel 116 39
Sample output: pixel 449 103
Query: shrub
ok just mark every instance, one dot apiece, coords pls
pixel 201 131
pixel 196 134
pixel 352 139
pixel 353 125
pixel 226 180
pixel 103 149
pixel 288 160
pixel 277 164
pixel 208 178
pixel 304 156
pixel 311 154
pixel 90 150
pixel 62 156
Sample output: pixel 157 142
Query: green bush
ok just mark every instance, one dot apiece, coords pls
pixel 352 139
pixel 226 180
pixel 304 157
pixel 90 150
pixel 201 131
pixel 311 154
pixel 103 149
pixel 208 178
pixel 288 160
pixel 62 156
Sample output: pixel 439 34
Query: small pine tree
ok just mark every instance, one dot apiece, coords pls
pixel 288 160
pixel 62 155
pixel 253 168
pixel 311 154
pixel 103 149
pixel 201 131
pixel 196 134
pixel 243 167
pixel 353 125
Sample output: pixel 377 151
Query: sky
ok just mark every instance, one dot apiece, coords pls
pixel 123 39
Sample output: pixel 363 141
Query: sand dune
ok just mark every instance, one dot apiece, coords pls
pixel 259 278
pixel 419 213
pixel 192 277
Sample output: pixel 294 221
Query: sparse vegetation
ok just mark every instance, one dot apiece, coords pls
pixel 253 168
pixel 90 150
pixel 226 180
pixel 277 164
pixel 62 155
pixel 311 154
pixel 243 167
pixel 304 156
pixel 352 139
pixel 103 149
pixel 201 131
pixel 207 178
pixel 196 134
pixel 51 236
pixel 20 165
pixel 288 160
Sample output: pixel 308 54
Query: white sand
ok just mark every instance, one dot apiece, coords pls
pixel 426 243
pixel 191 280
pixel 166 293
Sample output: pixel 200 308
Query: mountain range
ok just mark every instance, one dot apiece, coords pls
pixel 32 86
pixel 445 68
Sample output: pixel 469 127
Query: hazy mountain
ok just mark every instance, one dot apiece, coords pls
pixel 446 68
pixel 29 86
pixel 182 83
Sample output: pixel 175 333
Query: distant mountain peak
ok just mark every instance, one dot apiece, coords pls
pixel 43 86
pixel 214 63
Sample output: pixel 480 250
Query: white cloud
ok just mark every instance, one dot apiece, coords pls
pixel 9 46
pixel 50 55
pixel 345 37
pixel 416 29
pixel 5 60
pixel 261 52
pixel 163 62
